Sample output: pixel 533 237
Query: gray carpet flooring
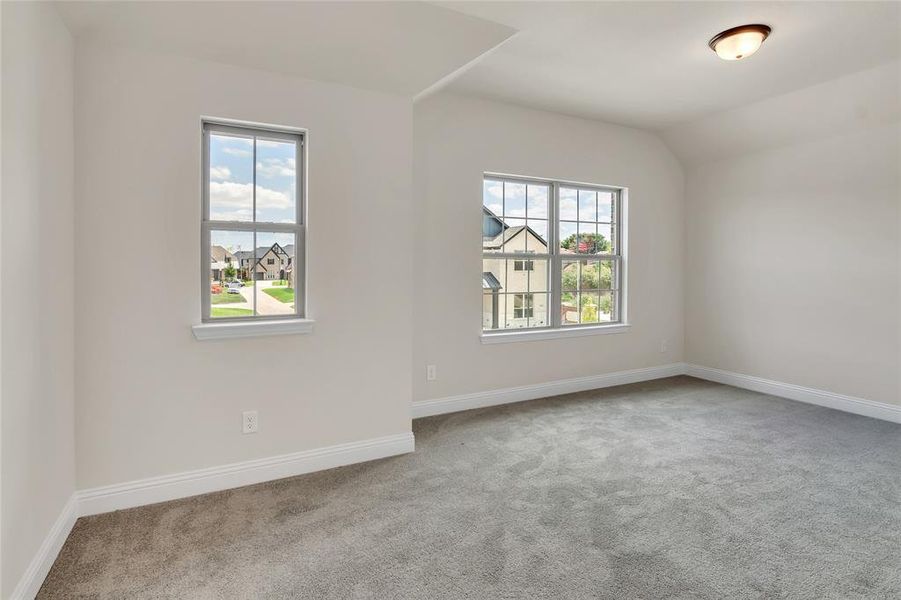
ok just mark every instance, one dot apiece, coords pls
pixel 676 488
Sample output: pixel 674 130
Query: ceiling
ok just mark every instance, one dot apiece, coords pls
pixel 395 47
pixel 647 64
pixel 643 64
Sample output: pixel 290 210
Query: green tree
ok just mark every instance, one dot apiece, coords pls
pixel 589 243
pixel 229 272
pixel 589 310
pixel 607 304
pixel 595 275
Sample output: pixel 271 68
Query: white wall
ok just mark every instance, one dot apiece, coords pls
pixel 457 139
pixel 36 344
pixel 792 247
pixel 151 399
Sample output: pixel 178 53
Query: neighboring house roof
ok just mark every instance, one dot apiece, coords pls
pixel 492 225
pixel 498 242
pixel 490 282
pixel 262 252
pixel 219 254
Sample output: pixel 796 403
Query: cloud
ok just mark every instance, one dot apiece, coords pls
pixel 237 152
pixel 276 167
pixel 495 189
pixel 231 215
pixel 495 207
pixel 272 144
pixel 567 208
pixel 239 196
pixel 220 173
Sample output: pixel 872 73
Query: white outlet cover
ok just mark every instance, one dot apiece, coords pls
pixel 250 421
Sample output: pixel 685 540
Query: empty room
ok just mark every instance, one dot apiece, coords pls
pixel 450 300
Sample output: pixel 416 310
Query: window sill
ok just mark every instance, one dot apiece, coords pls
pixel 245 329
pixel 550 334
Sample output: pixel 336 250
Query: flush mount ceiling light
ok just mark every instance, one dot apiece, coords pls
pixel 739 42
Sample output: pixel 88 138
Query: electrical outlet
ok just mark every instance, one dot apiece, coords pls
pixel 664 345
pixel 431 372
pixel 251 422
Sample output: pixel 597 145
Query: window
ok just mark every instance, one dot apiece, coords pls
pixel 523 265
pixel 522 306
pixel 552 255
pixel 252 209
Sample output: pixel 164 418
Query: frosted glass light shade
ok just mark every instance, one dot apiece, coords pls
pixel 739 42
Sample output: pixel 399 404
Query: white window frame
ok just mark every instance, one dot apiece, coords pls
pixel 298 228
pixel 619 255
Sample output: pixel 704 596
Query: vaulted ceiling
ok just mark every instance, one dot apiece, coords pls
pixel 395 47
pixel 647 64
pixel 642 64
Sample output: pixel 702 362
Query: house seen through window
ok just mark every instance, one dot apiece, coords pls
pixel 551 254
pixel 252 225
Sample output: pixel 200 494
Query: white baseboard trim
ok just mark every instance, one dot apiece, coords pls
pixel 202 481
pixel 37 570
pixel 439 406
pixel 214 479
pixel 850 404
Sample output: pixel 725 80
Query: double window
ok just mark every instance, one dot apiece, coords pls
pixel 523 265
pixel 551 254
pixel 252 228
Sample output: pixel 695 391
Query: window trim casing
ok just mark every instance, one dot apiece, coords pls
pixel 555 261
pixel 251 129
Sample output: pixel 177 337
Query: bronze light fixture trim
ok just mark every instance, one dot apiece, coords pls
pixel 739 42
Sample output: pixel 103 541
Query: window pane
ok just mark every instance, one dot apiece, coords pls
pixel 588 205
pixel 538 275
pixel 605 207
pixel 588 242
pixel 588 302
pixel 607 275
pixel 514 199
pixel 489 306
pixel 569 310
pixel 229 297
pixel 274 274
pixel 537 196
pixel 493 196
pixel 606 308
pixel 539 317
pixel 231 178
pixel 536 240
pixel 606 242
pixel 276 181
pixel 570 276
pixel 589 275
pixel 568 205
pixel 567 237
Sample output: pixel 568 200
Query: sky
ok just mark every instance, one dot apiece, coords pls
pixel 231 188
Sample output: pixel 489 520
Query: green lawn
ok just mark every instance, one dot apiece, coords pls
pixel 282 294
pixel 226 298
pixel 280 282
pixel 230 312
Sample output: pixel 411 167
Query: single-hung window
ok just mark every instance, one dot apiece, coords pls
pixel 252 212
pixel 552 256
